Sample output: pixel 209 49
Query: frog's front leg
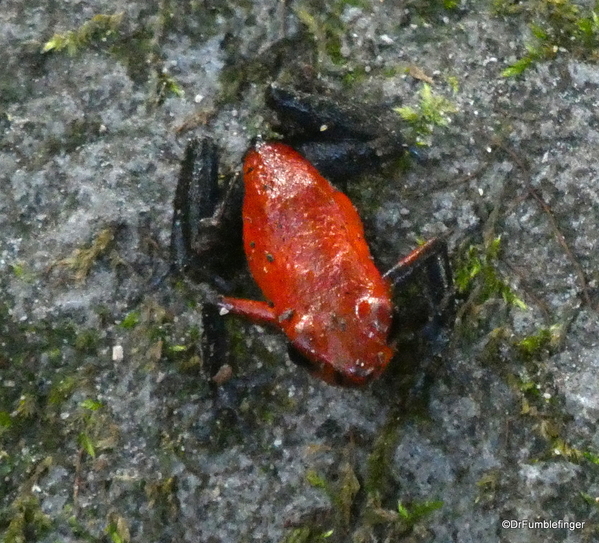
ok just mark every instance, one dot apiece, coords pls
pixel 253 310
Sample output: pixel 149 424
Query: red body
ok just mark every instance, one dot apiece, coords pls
pixel 306 250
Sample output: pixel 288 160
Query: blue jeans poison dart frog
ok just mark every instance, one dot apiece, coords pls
pixel 303 239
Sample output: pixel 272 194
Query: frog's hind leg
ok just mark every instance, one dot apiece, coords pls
pixel 206 228
pixel 430 260
pixel 340 141
pixel 206 242
pixel 196 198
pixel 424 311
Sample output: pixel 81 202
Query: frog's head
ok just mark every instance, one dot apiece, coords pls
pixel 349 349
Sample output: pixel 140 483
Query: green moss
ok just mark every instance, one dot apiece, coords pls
pixel 5 420
pixel 592 457
pixel 98 31
pixel 92 405
pixel 167 87
pixel 487 487
pixel 540 344
pixel 592 501
pixel 62 389
pixel 138 50
pixel 325 29
pixel 557 27
pixel 432 111
pixel 27 521
pixel 82 260
pixel 118 529
pixel 162 498
pixel 355 76
pixel 417 511
pixel 21 272
pixel 560 448
pixel 380 459
pixel 489 299
pixel 26 406
pixel 546 412
pixel 527 386
pixel 454 83
pixel 325 24
pixel 532 384
pixel 365 508
pixel 341 492
pixel 477 271
pixel 94 427
pixel 427 11
pixel 306 534
pixel 347 489
pixel 357 515
pixel 131 320
pixel 363 4
pixel 316 480
pixel 86 443
pixel 87 341
pixel 31 409
pixel 393 71
pixel 47 369
pixel 298 535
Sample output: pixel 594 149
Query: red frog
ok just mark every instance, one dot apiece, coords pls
pixel 305 247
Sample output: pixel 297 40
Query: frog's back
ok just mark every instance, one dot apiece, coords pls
pixel 300 233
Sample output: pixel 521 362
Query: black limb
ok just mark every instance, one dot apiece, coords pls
pixel 206 230
pixel 424 309
pixel 317 117
pixel 431 257
pixel 196 198
pixel 339 160
pixel 300 360
pixel 432 261
pixel 340 141
pixel 214 345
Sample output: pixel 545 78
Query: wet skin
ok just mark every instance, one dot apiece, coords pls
pixel 305 247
